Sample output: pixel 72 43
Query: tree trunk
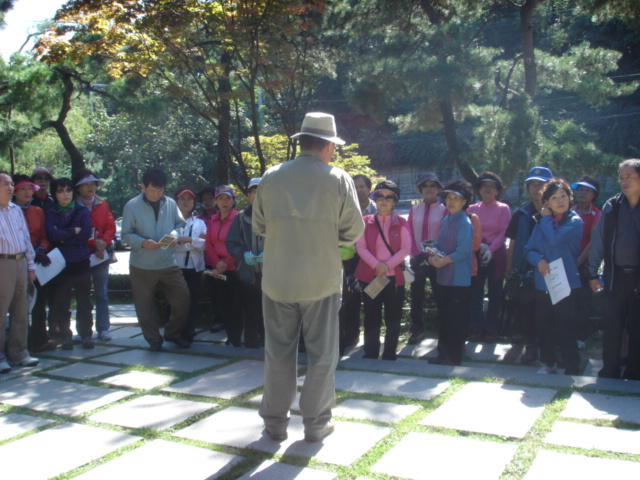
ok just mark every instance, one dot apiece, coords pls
pixel 526 31
pixel 224 132
pixel 450 134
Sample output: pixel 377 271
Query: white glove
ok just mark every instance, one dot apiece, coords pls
pixel 486 257
pixel 483 248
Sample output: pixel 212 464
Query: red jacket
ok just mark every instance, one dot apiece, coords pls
pixel 34 217
pixel 215 248
pixel 104 224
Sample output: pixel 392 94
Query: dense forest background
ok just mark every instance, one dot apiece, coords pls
pixel 212 90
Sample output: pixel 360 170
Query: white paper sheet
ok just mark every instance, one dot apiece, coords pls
pixel 557 281
pixel 44 274
pixel 94 260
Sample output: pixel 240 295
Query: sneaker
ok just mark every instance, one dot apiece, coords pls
pixel 320 434
pixel 87 343
pixel 27 361
pixel 5 367
pixel 104 335
pixel 547 370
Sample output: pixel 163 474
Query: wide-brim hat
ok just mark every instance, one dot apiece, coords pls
pixel 584 183
pixel 22 183
pixel 321 125
pixel 542 174
pixel 429 177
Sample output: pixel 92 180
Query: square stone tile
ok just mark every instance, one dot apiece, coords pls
pixel 390 384
pixel 269 470
pixel 425 456
pixel 13 424
pixel 117 332
pixel 506 410
pixel 207 336
pixel 79 353
pixel 64 398
pixel 59 449
pixel 137 341
pixel 140 380
pixel 162 360
pixel 243 428
pixel 200 463
pixel 226 382
pixel 82 371
pixel 550 465
pixel 151 412
pixel 17 372
pixel 591 437
pixel 594 406
pixel 377 411
pixel 257 400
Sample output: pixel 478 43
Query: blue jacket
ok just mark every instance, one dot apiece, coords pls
pixel 139 224
pixel 551 243
pixel 61 231
pixel 458 273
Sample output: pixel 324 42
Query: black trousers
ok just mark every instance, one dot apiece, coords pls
pixel 417 295
pixel 453 314
pixel 557 327
pixel 349 316
pixel 392 299
pixel 230 307
pixel 620 309
pixel 253 319
pixel 194 284
pixel 76 277
pixel 38 330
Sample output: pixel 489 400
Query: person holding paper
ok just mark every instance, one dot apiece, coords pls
pixel 68 227
pixel 453 273
pixel 104 231
pixel 146 220
pixel 556 236
pixel 382 248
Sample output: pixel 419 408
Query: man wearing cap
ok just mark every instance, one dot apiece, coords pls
pixel 146 219
pixel 17 266
pixel 305 209
pixel 41 198
pixel 616 241
pixel 519 230
pixel 424 224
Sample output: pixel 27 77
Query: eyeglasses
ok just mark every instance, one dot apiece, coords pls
pixel 388 198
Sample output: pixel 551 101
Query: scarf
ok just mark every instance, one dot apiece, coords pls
pixel 88 203
pixel 66 209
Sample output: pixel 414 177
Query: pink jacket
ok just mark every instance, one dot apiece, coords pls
pixel 215 249
pixel 416 217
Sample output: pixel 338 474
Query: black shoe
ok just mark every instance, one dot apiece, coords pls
pixel 179 341
pixel 155 347
pixel 67 345
pixel 217 327
pixel 45 347
pixel 415 338
pixel 87 343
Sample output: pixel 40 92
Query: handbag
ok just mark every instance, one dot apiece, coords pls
pixel 408 274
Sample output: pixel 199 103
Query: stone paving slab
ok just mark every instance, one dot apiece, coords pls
pixel 162 361
pixel 124 319
pixel 79 353
pixel 122 307
pixel 227 382
pixel 479 352
pixel 139 380
pixel 551 465
pixel 122 332
pixel 295 406
pixel 269 470
pixel 190 463
pixel 422 455
pixel 59 449
pixel 591 437
pixel 243 428
pixel 506 410
pixel 82 371
pixel 151 412
pixel 64 398
pixel 13 424
pixel 17 372
pixel 593 406
pixel 207 336
pixel 231 351
pixel 136 341
pixel 387 384
pixel 383 412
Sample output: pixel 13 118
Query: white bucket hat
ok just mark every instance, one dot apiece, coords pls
pixel 321 125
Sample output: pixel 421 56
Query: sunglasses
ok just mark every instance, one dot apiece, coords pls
pixel 388 198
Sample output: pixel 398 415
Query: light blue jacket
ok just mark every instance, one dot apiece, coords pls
pixel 139 224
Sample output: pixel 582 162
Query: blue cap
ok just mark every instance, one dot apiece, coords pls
pixel 539 173
pixel 226 190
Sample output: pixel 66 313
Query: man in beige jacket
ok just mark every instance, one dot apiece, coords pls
pixel 306 209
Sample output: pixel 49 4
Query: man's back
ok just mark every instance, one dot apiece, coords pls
pixel 306 209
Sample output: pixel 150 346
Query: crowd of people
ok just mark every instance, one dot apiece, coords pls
pixel 314 246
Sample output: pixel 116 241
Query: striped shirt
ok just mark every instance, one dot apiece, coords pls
pixel 14 234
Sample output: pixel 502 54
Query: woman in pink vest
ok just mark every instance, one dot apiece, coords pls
pixel 382 248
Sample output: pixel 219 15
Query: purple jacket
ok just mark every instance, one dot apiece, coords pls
pixel 60 228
